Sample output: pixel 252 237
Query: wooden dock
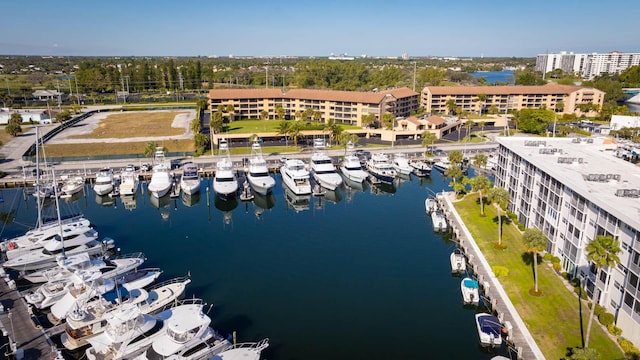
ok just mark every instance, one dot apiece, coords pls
pixel 519 339
pixel 26 338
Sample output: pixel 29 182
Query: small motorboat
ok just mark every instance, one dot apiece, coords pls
pixel 458 262
pixel 470 294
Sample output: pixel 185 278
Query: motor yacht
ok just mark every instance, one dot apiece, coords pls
pixel 380 167
pixel 258 173
pixel 296 176
pixel 401 164
pixel 352 169
pixel 72 185
pixel 420 168
pixel 324 172
pixel 129 180
pixel 104 181
pixel 225 181
pixel 190 179
pixel 92 319
pixel 161 180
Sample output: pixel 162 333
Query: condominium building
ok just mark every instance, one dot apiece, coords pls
pixel 435 98
pixel 342 106
pixel 574 190
pixel 588 66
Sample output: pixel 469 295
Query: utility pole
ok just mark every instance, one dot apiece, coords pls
pixel 77 93
pixel 6 79
pixel 59 99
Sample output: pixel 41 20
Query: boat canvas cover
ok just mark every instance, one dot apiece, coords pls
pixel 472 284
pixel 490 324
pixel 116 295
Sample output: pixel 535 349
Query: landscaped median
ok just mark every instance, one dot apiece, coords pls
pixel 553 319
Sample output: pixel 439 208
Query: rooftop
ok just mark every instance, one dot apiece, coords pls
pixel 588 167
pixel 312 94
pixel 504 90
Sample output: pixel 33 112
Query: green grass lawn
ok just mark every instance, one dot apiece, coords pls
pixel 553 318
pixel 256 126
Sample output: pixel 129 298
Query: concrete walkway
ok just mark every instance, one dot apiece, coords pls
pixel 519 336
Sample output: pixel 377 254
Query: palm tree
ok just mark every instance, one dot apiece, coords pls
pixel 500 197
pixel 456 157
pixel 279 111
pixel 150 148
pixel 481 100
pixel 294 132
pixel 602 252
pixel 368 119
pixel 480 160
pixel 455 173
pixel 480 183
pixel 469 124
pixel 536 241
pixel 216 123
pixel 284 127
pixel 298 114
pixel 451 105
pixel 428 138
pixel 388 120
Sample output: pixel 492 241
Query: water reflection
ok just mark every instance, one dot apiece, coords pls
pixel 190 200
pixel 73 198
pixel 296 202
pixel 383 188
pixel 129 202
pixel 226 206
pixel 161 202
pixel 105 200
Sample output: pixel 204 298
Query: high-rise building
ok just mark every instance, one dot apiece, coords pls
pixel 574 190
pixel 587 66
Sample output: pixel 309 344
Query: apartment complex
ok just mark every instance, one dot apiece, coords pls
pixel 346 107
pixel 588 66
pixel 574 190
pixel 434 98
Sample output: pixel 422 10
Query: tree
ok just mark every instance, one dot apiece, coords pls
pixel 584 354
pixel 346 138
pixel 500 197
pixel 481 99
pixel 15 118
pixel 534 121
pixel 279 111
pixel 456 157
pixel 202 143
pixel 469 124
pixel 216 122
pixel 368 119
pixel 264 115
pixel 230 109
pixel 428 138
pixel 63 116
pixel 284 127
pixel 602 252
pixel 480 183
pixel 298 114
pixel 13 129
pixel 528 77
pixel 294 132
pixel 480 160
pixel 536 241
pixel 451 105
pixel 455 173
pixel 388 120
pixel 150 148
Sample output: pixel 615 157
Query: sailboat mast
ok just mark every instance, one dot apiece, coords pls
pixel 55 195
pixel 39 204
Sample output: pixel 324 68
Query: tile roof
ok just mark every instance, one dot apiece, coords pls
pixel 504 89
pixel 311 94
pixel 436 120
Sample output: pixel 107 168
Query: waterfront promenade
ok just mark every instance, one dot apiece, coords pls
pixel 520 339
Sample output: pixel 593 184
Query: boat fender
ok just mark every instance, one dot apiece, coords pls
pixel 12 245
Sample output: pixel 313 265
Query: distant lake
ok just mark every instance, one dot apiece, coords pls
pixel 505 76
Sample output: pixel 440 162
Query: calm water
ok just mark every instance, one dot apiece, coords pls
pixel 505 76
pixel 359 274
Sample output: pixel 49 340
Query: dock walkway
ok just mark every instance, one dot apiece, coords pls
pixel 26 339
pixel 519 338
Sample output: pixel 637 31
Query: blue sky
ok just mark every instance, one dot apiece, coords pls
pixel 318 28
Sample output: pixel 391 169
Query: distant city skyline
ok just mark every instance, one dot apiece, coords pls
pixel 309 28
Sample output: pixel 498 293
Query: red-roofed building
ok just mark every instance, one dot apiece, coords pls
pixel 434 98
pixel 343 106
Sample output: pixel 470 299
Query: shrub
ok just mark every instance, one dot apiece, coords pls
pixel 627 346
pixel 606 319
pixel 566 275
pixel 557 267
pixel 599 310
pixel 581 294
pixel 555 260
pixel 500 271
pixel 614 330
pixel 547 257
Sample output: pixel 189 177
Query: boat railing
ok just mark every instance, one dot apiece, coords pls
pixel 260 345
pixel 139 254
pixel 170 281
pixel 175 303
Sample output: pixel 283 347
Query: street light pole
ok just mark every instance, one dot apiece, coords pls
pixel 415 64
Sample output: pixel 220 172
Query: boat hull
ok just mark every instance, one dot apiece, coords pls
pixel 261 185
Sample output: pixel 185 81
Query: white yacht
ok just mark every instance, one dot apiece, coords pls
pixel 161 181
pixel 91 319
pixel 36 238
pixel 401 164
pixel 131 336
pixel 51 292
pixel 72 185
pixel 296 177
pixel 380 167
pixel 86 285
pixel 109 268
pixel 352 169
pixel 439 221
pixel 190 179
pixel 489 330
pixel 442 164
pixel 324 172
pixel 258 172
pixel 243 351
pixel 129 180
pixel 225 182
pixel 420 168
pixel 430 204
pixel 104 181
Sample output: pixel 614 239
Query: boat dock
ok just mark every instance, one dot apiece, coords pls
pixel 519 338
pixel 23 338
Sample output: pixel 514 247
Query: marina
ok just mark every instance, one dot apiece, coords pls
pixel 318 279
